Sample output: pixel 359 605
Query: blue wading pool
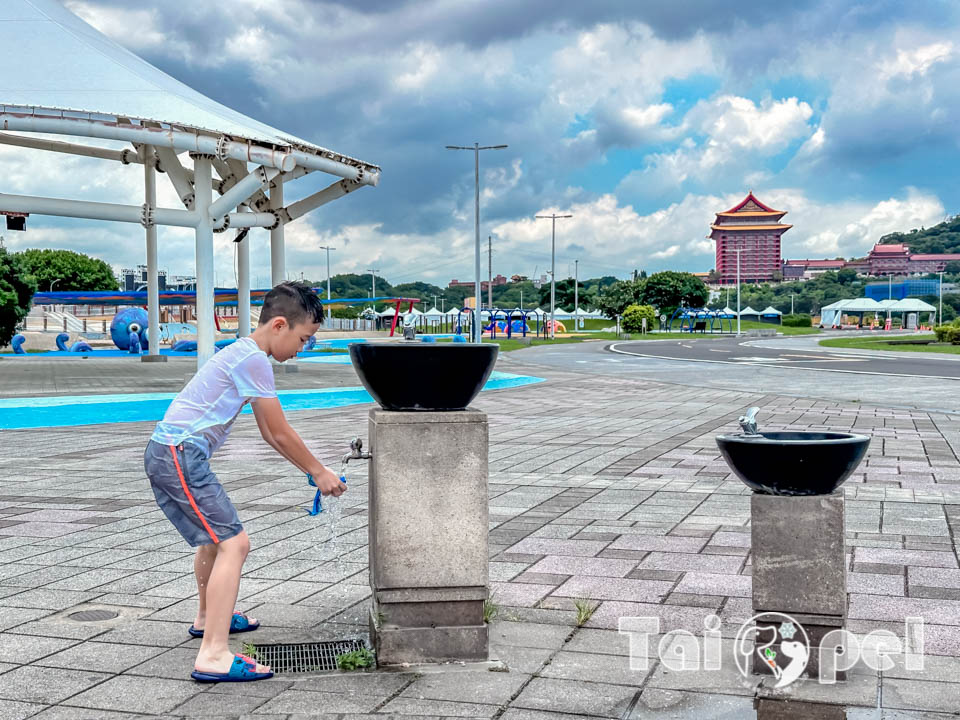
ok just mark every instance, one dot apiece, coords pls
pixel 70 410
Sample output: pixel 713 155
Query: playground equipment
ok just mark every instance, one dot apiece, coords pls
pixel 701 320
pixel 79 346
pixel 17 344
pixel 132 320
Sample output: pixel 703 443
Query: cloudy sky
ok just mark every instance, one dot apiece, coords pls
pixel 640 119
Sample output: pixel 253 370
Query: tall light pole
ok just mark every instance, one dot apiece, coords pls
pixel 476 259
pixel 553 268
pixel 738 251
pixel 940 289
pixel 373 286
pixel 328 249
pixel 576 295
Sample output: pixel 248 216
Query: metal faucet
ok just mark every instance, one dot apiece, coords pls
pixel 748 421
pixel 356 452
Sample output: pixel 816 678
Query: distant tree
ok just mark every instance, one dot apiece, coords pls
pixel 669 290
pixel 16 290
pixel 616 298
pixel 952 267
pixel 846 276
pixel 71 270
pixel 565 295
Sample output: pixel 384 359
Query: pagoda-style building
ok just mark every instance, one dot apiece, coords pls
pixel 755 229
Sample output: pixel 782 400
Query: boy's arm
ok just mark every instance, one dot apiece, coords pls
pixel 276 431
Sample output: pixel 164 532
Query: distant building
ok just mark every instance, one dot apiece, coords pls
pixel 518 278
pixel 754 229
pixel 806 269
pixel 485 284
pixel 131 280
pixel 898 260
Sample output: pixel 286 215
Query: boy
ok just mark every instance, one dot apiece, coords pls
pixel 176 462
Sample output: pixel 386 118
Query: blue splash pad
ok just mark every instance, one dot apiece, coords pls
pixel 72 410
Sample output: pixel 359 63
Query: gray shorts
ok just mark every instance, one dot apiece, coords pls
pixel 189 493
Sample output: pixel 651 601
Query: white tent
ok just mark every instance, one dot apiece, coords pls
pixel 749 311
pixel 389 312
pixel 727 313
pixel 434 313
pixel 70 79
pixel 770 311
pixel 453 311
pixel 911 305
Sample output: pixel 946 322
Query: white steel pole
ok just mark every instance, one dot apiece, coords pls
pixel 277 254
pixel 738 251
pixel 153 280
pixel 202 169
pixel 940 289
pixel 243 285
pixel 553 277
pixel 576 293
pixel 476 251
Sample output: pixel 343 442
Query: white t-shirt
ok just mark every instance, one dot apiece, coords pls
pixel 205 409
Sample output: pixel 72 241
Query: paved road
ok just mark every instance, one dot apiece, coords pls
pixel 794 366
pixel 801 352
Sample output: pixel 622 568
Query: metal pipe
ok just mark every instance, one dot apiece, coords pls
pixel 277 254
pixel 243 283
pixel 158 137
pixel 125 156
pixel 153 280
pixel 322 197
pixel 170 164
pixel 204 234
pixel 60 207
pixel 242 190
pixel 94 210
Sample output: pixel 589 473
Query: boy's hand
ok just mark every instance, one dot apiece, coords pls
pixel 327 482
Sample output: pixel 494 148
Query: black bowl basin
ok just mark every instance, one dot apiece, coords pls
pixel 793 463
pixel 423 376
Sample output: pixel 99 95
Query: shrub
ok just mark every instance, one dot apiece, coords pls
pixel 947 334
pixel 797 320
pixel 632 321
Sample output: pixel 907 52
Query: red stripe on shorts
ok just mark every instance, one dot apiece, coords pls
pixel 193 504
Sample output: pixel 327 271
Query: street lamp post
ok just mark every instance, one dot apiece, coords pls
pixel 373 287
pixel 476 179
pixel 576 295
pixel 738 251
pixel 328 249
pixel 940 289
pixel 553 267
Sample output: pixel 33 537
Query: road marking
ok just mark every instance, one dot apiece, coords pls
pixel 613 348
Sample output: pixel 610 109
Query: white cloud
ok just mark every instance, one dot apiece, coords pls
pixel 916 61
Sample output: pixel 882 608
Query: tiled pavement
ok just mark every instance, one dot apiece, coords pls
pixel 607 491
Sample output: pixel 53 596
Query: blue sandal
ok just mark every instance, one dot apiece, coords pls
pixel 244 669
pixel 239 623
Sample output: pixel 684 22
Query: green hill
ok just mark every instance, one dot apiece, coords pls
pixel 942 238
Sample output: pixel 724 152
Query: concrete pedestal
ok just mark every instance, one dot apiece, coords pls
pixel 153 358
pixel 428 535
pixel 799 567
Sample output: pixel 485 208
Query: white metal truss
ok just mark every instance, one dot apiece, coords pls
pixel 60 59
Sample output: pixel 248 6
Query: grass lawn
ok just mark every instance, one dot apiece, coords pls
pixel 873 343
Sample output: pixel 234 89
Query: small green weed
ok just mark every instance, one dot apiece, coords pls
pixel 490 610
pixel 356 660
pixel 585 609
pixel 250 650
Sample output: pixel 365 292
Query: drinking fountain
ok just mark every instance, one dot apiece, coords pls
pixel 798 540
pixel 428 506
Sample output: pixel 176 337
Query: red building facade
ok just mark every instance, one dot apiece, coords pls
pixel 754 229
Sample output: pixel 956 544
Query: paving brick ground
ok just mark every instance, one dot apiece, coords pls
pixel 603 491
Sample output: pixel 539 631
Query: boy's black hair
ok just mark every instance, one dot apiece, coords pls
pixel 295 301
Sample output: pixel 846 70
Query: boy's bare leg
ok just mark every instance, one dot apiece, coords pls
pixel 222 587
pixel 202 567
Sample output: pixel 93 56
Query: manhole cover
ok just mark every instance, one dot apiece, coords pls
pixel 93 615
pixel 305 657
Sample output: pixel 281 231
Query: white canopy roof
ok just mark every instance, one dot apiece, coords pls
pixel 728 311
pixel 67 69
pixel 771 310
pixel 434 312
pixel 453 311
pixel 748 311
pixel 911 305
pixel 390 311
pixel 856 305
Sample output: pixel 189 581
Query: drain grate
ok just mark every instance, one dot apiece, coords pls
pixel 305 657
pixel 93 615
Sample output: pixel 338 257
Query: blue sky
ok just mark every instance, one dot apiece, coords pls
pixel 642 119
